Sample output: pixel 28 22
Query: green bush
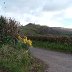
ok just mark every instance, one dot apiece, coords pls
pixel 8 30
pixel 20 45
pixel 61 47
pixel 56 39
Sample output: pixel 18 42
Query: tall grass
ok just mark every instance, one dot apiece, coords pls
pixel 62 47
pixel 19 60
pixel 13 59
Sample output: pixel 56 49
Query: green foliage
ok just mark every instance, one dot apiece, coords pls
pixel 19 60
pixel 62 47
pixel 34 29
pixel 15 60
pixel 20 45
pixel 57 39
pixel 8 30
pixel 14 54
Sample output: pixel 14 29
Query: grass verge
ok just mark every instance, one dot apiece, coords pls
pixel 14 60
pixel 19 60
pixel 61 47
pixel 38 65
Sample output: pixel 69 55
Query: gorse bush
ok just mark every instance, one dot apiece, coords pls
pixel 8 30
pixel 25 40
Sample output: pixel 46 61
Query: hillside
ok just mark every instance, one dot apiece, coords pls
pixel 34 29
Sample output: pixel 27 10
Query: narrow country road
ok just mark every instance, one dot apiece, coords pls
pixel 58 62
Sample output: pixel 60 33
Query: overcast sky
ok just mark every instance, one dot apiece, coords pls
pixel 53 13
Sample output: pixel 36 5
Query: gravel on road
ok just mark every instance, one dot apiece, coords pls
pixel 58 62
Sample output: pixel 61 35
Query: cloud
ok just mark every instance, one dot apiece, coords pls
pixel 64 14
pixel 26 6
pixel 23 6
pixel 64 17
pixel 52 5
pixel 53 13
pixel 68 12
pixel 47 19
pixel 1 10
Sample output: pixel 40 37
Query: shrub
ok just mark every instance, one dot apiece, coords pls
pixel 8 30
pixel 56 39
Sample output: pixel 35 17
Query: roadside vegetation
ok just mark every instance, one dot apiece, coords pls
pixel 14 49
pixel 61 47
pixel 53 38
pixel 56 43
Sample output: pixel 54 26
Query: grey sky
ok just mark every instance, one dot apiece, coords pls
pixel 44 12
pixel 28 5
pixel 52 5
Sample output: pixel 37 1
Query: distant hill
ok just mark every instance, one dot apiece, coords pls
pixel 34 29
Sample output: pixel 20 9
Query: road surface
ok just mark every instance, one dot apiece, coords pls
pixel 58 62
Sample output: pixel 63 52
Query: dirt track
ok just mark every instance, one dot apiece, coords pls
pixel 58 62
